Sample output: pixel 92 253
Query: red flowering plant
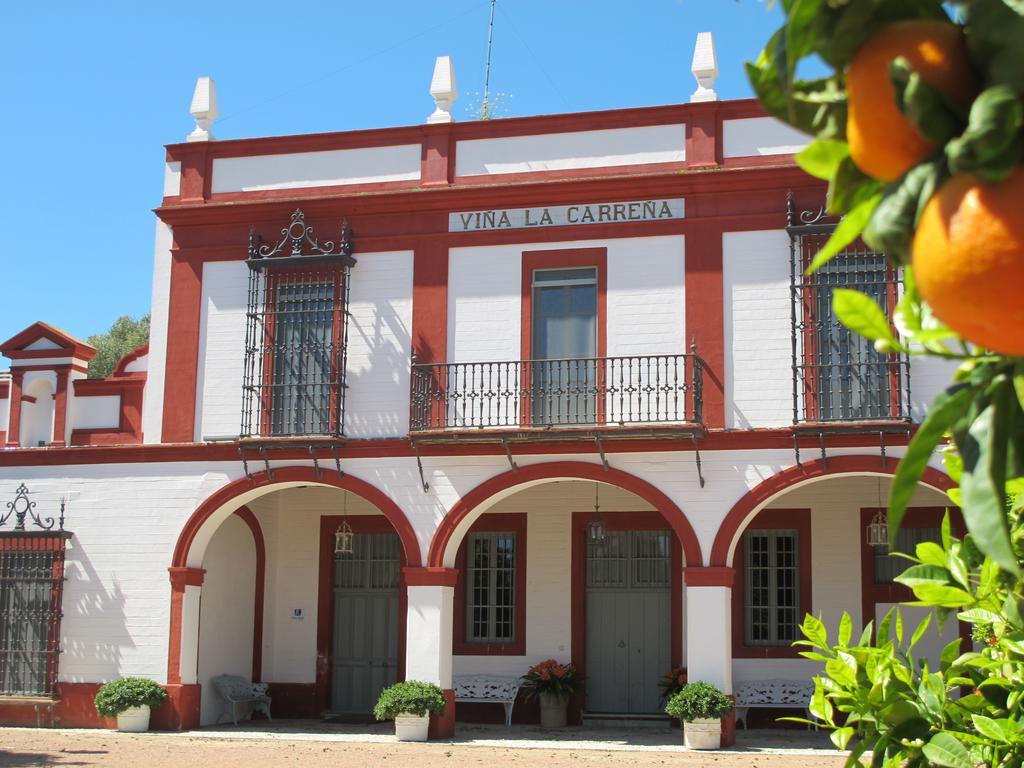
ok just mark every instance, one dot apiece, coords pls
pixel 562 680
pixel 671 683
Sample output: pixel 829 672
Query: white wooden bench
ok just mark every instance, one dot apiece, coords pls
pixel 765 694
pixel 234 690
pixel 488 689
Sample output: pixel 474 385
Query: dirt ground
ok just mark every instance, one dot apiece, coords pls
pixel 29 747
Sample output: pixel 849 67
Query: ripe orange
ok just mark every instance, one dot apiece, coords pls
pixel 883 143
pixel 968 257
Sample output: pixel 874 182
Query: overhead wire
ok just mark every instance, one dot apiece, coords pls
pixel 536 60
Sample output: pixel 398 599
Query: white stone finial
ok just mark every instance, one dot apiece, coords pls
pixel 444 90
pixel 704 68
pixel 203 109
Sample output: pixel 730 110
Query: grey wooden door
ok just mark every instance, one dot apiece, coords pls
pixel 365 654
pixel 629 612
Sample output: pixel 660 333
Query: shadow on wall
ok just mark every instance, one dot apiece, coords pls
pixel 94 628
pixel 387 343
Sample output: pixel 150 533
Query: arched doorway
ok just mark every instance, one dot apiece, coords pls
pixel 613 606
pixel 327 630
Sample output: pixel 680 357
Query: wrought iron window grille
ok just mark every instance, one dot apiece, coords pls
pixel 296 334
pixel 838 377
pixel 31 591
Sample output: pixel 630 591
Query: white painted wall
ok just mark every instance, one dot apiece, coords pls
pixel 379 346
pixel 226 612
pixel 316 169
pixel 42 343
pixel 153 397
pixel 221 350
pixel 752 136
pixel 138 365
pixel 5 408
pixel 928 377
pixel 575 149
pixel 172 179
pixel 758 351
pixel 100 412
pixel 36 426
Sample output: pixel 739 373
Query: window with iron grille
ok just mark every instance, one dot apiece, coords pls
pixel 491 587
pixel 887 567
pixel 31 586
pixel 837 374
pixel 771 581
pixel 296 334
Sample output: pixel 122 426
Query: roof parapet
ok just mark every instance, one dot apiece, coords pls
pixel 203 109
pixel 444 90
pixel 704 68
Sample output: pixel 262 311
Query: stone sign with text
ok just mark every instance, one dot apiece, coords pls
pixel 565 215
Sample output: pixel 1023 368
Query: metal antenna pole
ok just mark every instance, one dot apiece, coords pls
pixel 486 107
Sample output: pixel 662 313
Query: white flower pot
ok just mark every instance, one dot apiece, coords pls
pixel 412 727
pixel 702 733
pixel 134 720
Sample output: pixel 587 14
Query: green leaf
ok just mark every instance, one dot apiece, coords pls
pixel 930 553
pixel 819 706
pixel 845 629
pixel 841 737
pixel 983 449
pixel 922 627
pixel 949 654
pixel 943 749
pixel 859 312
pixel 957 567
pixel 883 627
pixel 891 227
pixel 990 146
pixel 899 627
pixel 814 630
pixel 849 186
pixel 934 116
pixel 932 693
pixel 946 408
pixel 1003 730
pixel 843 669
pixel 942 596
pixel 846 231
pixel 821 158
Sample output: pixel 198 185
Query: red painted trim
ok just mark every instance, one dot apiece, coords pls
pixel 182 357
pixel 619 521
pixel 461 646
pixel 430 313
pixel 259 590
pixel 564 258
pixel 180 578
pixel 29 399
pixel 109 386
pixel 5 390
pixel 68 346
pixel 761 494
pixel 705 313
pixel 430 577
pixel 60 409
pixel 131 357
pixel 443 726
pixel 711 576
pixel 130 388
pixel 325 599
pixel 55 367
pixel 800 519
pixel 308 475
pixel 14 413
pixel 571 470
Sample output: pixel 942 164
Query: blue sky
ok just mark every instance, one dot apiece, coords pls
pixel 94 91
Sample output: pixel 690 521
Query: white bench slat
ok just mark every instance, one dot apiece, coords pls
pixel 488 689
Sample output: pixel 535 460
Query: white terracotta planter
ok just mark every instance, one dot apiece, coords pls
pixel 412 727
pixel 702 733
pixel 552 710
pixel 134 720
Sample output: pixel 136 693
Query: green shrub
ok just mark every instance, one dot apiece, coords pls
pixel 697 701
pixel 114 698
pixel 410 697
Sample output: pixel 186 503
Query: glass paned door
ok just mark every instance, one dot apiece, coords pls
pixel 564 385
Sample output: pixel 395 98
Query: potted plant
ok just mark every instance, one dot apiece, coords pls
pixel 553 684
pixel 701 706
pixel 410 704
pixel 130 700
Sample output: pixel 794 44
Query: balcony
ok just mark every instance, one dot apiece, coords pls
pixel 566 396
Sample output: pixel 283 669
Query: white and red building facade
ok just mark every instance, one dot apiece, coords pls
pixel 524 319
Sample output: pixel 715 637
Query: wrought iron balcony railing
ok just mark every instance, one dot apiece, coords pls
pixel 582 392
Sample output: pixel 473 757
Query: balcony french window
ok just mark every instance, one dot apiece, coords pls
pixel 838 377
pixel 296 335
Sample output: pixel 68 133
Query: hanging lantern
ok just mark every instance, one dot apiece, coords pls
pixel 878 530
pixel 596 530
pixel 344 536
pixel 343 539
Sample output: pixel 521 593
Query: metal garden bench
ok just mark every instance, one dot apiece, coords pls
pixel 234 690
pixel 766 694
pixel 488 689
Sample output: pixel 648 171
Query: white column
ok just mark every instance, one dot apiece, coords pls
pixel 189 667
pixel 709 635
pixel 428 644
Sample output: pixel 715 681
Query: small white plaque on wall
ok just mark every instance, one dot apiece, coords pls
pixel 566 215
